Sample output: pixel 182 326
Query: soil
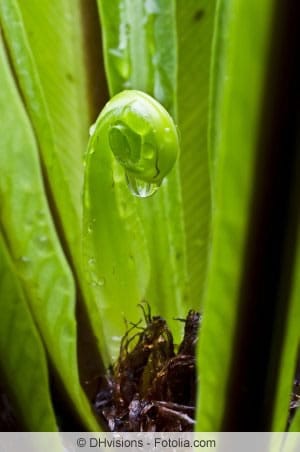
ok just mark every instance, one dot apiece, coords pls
pixel 152 386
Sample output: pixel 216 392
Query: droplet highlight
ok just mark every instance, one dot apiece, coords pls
pixel 91 225
pixel 139 187
pixel 25 259
pixel 99 282
pixel 92 129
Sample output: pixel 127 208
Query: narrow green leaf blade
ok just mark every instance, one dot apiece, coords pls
pixel 195 23
pixel 22 358
pixel 57 102
pixel 240 53
pixel 60 47
pixel 140 53
pixel 32 241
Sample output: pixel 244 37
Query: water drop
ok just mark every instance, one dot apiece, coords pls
pixel 127 84
pixel 92 261
pixel 42 241
pixel 92 129
pixel 99 282
pixel 140 188
pixel 24 259
pixel 151 7
pixel 91 225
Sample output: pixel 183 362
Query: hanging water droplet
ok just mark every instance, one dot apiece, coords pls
pixel 140 188
pixel 92 129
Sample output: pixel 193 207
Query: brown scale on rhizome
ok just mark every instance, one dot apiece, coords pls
pixel 152 386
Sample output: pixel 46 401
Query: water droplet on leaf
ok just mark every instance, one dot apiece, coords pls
pixel 98 282
pixel 25 259
pixel 42 241
pixel 151 7
pixel 139 187
pixel 91 225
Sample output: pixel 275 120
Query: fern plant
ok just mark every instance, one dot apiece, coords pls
pixel 220 234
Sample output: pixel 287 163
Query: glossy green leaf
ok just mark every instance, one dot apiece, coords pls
pixel 57 102
pixel 22 357
pixel 129 138
pixel 195 23
pixel 33 244
pixel 140 53
pixel 239 62
pixel 35 79
pixel 114 243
